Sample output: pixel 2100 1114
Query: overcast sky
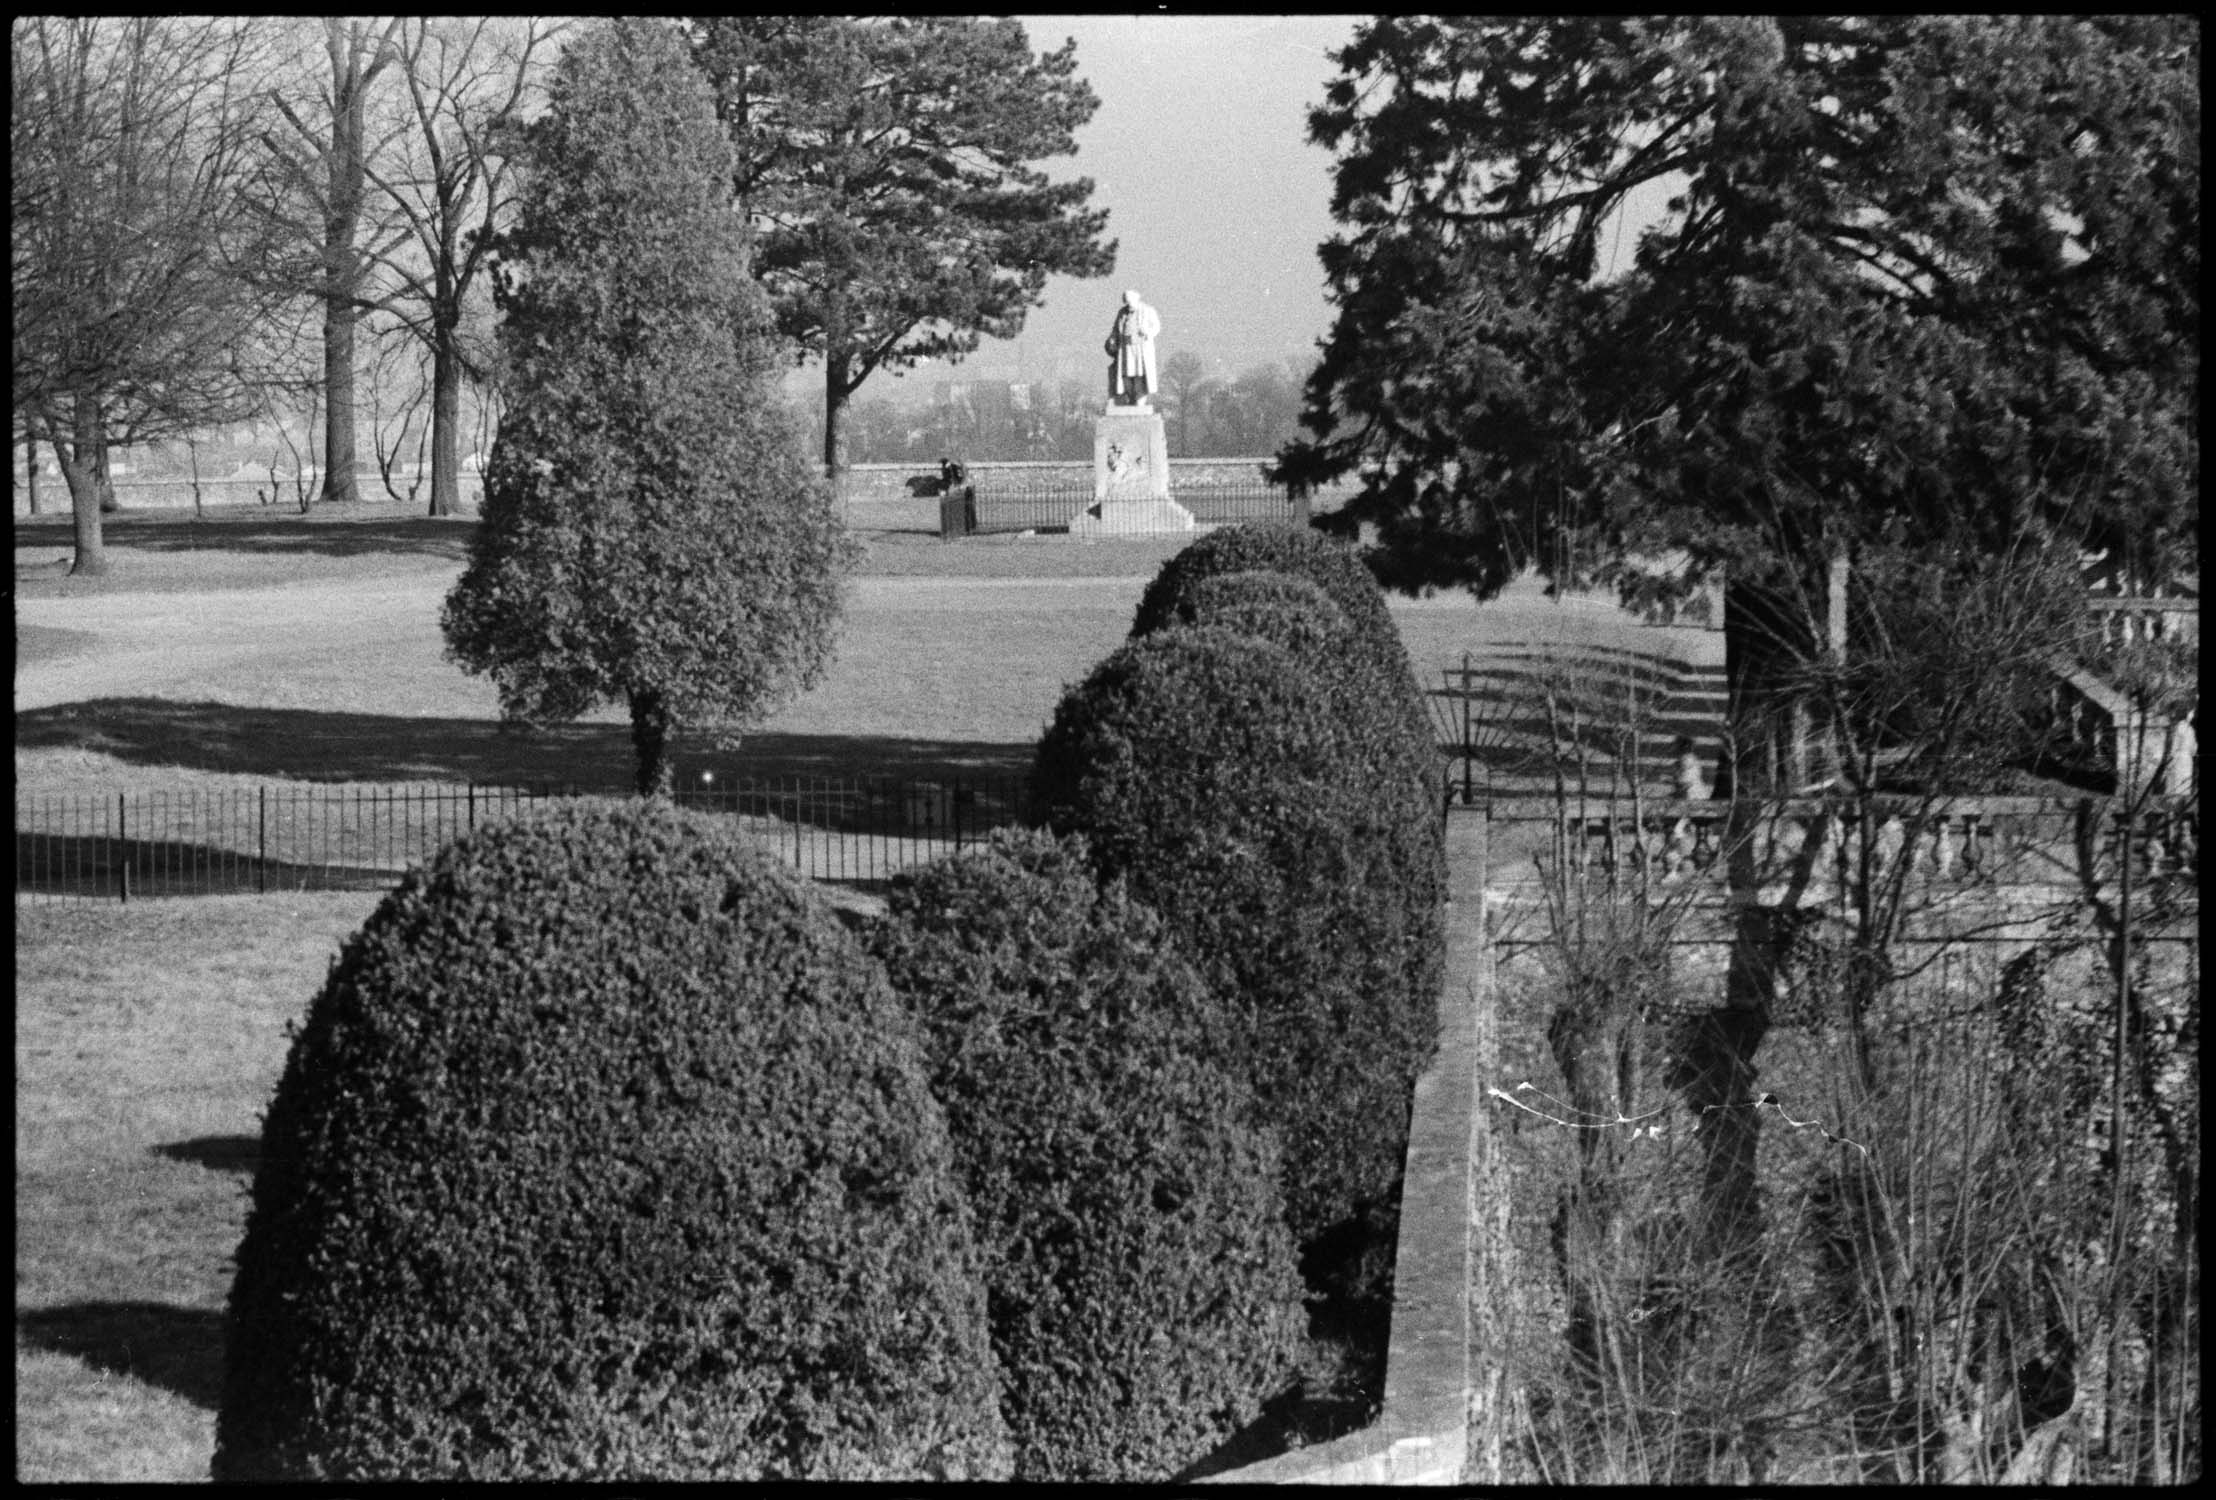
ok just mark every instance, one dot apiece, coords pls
pixel 1216 199
pixel 1217 202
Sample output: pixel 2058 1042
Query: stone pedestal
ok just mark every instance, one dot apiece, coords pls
pixel 1131 476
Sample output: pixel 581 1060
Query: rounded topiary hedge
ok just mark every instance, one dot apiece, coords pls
pixel 1142 1287
pixel 1299 552
pixel 606 1152
pixel 1221 777
pixel 1222 578
pixel 1293 611
pixel 1397 750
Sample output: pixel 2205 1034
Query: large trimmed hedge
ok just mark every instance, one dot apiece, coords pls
pixel 1293 611
pixel 607 1153
pixel 1143 1292
pixel 1221 777
pixel 1260 580
pixel 1331 565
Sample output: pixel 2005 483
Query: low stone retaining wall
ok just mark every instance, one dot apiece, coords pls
pixel 869 484
pixel 1421 1435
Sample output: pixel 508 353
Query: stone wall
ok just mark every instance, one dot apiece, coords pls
pixel 879 482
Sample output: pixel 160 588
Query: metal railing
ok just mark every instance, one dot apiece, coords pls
pixel 77 846
pixel 234 491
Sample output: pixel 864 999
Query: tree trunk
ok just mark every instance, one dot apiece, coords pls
pixel 1717 1073
pixel 1763 644
pixel 84 493
pixel 835 369
pixel 650 728
pixel 30 449
pixel 446 423
pixel 84 501
pixel 838 367
pixel 92 451
pixel 338 411
pixel 342 270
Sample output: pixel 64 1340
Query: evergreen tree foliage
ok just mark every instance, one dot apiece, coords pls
pixel 886 166
pixel 1141 1282
pixel 606 1153
pixel 652 534
pixel 1931 279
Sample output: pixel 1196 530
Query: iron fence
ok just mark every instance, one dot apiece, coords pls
pixel 238 492
pixel 301 837
pixel 866 831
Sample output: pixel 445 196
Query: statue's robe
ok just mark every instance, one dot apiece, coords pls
pixel 1131 377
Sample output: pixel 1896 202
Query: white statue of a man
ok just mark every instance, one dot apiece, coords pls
pixel 1131 378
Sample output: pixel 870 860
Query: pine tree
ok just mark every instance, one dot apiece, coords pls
pixel 885 165
pixel 1927 280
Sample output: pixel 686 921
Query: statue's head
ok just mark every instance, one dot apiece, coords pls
pixel 1130 299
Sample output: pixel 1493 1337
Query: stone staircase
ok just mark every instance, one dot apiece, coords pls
pixel 2095 725
pixel 1520 721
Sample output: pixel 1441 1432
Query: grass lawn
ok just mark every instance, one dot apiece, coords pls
pixel 147 1040
pixel 224 652
pixel 221 653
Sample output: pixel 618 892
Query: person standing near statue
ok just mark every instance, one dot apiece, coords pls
pixel 1131 377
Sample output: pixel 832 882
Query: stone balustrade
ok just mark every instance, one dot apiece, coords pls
pixel 2129 619
pixel 2087 719
pixel 2099 726
pixel 1817 846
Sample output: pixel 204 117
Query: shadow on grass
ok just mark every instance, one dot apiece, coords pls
pixel 102 866
pixel 306 745
pixel 218 1153
pixel 881 533
pixel 837 807
pixel 328 533
pixel 176 1348
pixel 39 643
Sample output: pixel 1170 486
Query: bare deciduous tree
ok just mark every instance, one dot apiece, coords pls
pixel 129 143
pixel 467 83
pixel 1185 379
pixel 315 194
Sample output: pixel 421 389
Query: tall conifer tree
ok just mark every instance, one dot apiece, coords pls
pixel 652 532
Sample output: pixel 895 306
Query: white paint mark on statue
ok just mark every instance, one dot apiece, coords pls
pixel 1130 347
